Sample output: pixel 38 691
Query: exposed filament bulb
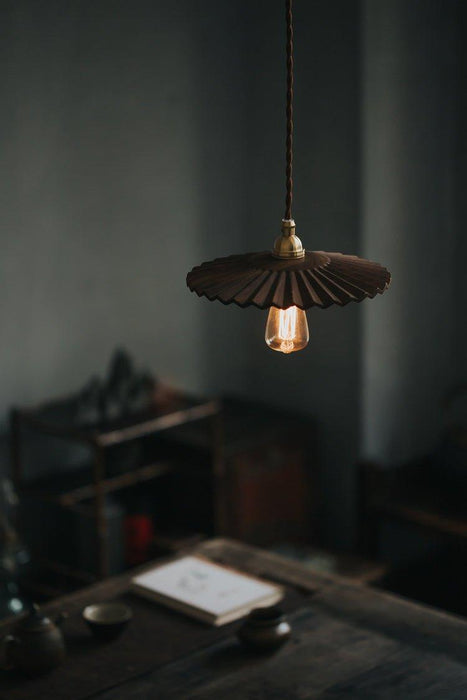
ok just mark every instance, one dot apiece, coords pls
pixel 287 329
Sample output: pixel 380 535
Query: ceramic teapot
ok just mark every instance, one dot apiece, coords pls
pixel 36 644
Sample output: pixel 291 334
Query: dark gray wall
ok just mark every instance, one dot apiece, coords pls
pixel 460 328
pixel 410 125
pixel 122 166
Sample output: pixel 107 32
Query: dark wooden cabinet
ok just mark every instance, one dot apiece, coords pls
pixel 414 517
pixel 270 472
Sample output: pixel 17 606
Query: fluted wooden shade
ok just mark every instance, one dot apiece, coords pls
pixel 261 280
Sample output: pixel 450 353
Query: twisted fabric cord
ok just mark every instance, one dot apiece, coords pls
pixel 289 113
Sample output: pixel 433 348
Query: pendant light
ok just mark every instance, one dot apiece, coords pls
pixel 288 280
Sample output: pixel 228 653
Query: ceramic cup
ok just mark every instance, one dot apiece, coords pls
pixel 107 620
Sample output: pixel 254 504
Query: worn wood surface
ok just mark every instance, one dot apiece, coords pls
pixel 348 641
pixel 327 658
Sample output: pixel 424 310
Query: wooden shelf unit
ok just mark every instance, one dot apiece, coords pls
pixel 175 410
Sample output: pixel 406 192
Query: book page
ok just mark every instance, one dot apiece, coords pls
pixel 205 586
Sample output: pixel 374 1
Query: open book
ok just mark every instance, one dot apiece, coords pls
pixel 212 593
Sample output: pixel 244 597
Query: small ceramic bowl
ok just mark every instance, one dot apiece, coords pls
pixel 265 629
pixel 107 620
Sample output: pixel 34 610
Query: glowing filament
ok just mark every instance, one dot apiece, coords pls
pixel 287 329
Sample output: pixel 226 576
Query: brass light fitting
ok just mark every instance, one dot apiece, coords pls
pixel 288 245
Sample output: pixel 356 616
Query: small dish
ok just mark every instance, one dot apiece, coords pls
pixel 265 629
pixel 107 620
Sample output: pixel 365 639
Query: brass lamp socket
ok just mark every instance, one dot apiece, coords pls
pixel 288 245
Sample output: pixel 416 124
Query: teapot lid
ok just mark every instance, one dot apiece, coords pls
pixel 35 621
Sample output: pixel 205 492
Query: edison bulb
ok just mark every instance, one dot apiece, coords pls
pixel 287 329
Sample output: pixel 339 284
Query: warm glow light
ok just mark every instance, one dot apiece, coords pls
pixel 287 329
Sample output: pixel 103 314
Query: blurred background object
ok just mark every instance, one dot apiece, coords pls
pixel 14 556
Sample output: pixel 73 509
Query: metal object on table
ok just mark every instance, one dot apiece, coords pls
pixel 37 644
pixel 265 629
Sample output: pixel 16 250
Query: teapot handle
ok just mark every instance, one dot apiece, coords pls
pixel 6 644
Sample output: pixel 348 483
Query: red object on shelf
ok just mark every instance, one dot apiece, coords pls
pixel 270 501
pixel 139 534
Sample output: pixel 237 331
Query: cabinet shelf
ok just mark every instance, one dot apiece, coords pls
pixel 121 481
pixel 51 419
pixel 72 491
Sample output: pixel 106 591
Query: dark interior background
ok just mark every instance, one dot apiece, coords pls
pixel 139 139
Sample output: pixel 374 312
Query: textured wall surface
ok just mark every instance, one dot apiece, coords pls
pixel 460 327
pixel 122 166
pixel 410 141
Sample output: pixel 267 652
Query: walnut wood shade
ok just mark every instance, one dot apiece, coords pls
pixel 261 280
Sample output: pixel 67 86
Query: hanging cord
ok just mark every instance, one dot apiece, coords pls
pixel 289 112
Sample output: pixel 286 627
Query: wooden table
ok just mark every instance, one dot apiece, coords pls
pixel 348 641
